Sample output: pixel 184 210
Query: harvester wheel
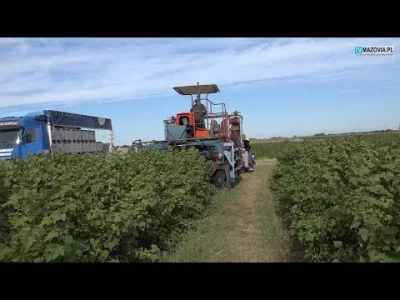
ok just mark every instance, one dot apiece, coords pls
pixel 219 179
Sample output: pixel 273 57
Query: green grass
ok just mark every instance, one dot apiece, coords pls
pixel 241 226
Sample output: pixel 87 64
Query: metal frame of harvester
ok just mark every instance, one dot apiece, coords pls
pixel 219 142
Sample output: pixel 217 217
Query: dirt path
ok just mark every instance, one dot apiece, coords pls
pixel 242 226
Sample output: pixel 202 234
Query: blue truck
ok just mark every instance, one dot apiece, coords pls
pixel 51 131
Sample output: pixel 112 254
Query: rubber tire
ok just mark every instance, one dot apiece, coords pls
pixel 219 179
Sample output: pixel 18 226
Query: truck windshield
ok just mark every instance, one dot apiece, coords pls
pixel 9 137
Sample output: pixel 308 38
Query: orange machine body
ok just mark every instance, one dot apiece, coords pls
pixel 187 118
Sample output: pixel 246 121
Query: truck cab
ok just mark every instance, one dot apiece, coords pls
pixel 21 134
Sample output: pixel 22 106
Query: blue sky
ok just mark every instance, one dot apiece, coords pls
pixel 282 87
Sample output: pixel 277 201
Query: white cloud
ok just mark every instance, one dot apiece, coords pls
pixel 44 71
pixel 10 41
pixel 351 91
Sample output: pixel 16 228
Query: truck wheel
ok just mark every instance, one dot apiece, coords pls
pixel 219 179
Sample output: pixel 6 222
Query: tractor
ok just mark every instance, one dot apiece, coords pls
pixel 216 134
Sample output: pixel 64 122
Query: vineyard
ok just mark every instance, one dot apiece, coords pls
pixel 72 208
pixel 269 149
pixel 272 149
pixel 341 198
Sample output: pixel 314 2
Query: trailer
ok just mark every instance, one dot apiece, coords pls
pixel 216 134
pixel 51 131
